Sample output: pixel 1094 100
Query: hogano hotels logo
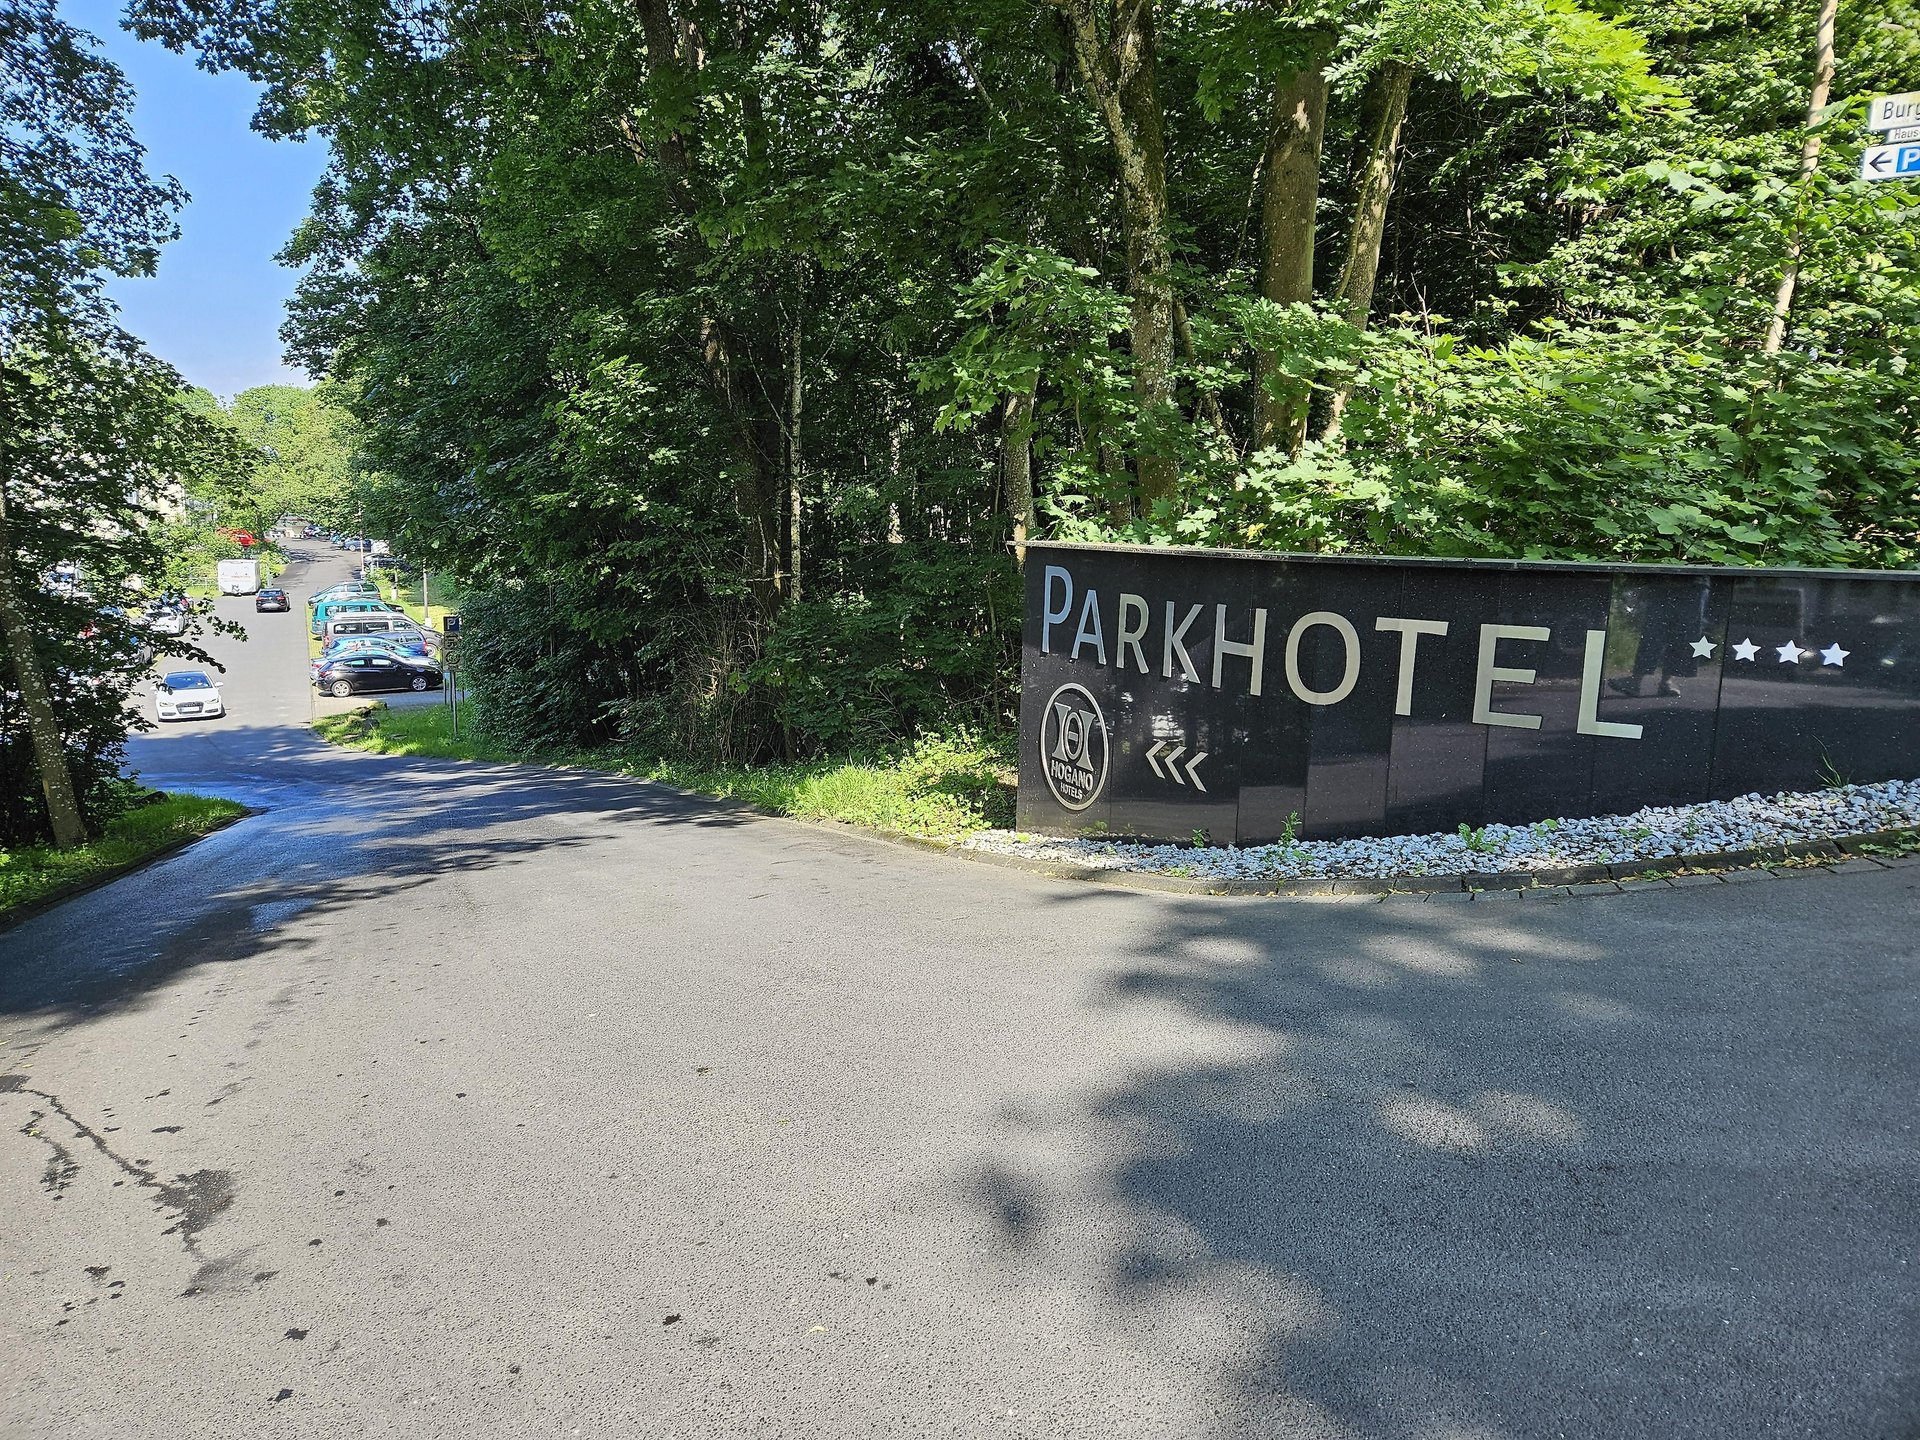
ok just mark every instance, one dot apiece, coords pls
pixel 1073 747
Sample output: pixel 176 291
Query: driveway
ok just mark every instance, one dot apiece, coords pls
pixel 449 1100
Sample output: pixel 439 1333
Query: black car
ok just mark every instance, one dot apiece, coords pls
pixel 357 674
pixel 271 600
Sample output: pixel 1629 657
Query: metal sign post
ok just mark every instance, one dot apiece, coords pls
pixel 450 658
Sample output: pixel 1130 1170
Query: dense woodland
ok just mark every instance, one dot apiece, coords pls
pixel 727 350
pixel 726 347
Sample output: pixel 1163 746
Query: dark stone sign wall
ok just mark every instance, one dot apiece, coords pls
pixel 1166 692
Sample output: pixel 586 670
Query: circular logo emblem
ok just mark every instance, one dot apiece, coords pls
pixel 1073 747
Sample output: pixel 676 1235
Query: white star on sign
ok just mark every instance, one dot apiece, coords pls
pixel 1703 648
pixel 1790 653
pixel 1745 650
pixel 1834 655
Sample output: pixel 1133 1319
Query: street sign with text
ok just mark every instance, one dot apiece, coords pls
pixel 1890 162
pixel 1264 697
pixel 1904 135
pixel 1890 112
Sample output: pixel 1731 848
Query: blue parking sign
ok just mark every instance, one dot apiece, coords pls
pixel 1890 162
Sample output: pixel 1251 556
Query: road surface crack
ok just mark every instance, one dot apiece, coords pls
pixel 194 1200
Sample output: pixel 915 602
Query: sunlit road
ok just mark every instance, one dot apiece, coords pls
pixel 497 1102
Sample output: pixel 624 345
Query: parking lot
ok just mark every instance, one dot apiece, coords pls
pixel 280 642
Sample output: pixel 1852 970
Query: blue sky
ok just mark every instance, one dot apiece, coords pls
pixel 215 307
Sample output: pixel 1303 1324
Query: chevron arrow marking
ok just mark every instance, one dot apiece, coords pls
pixel 1193 770
pixel 1173 767
pixel 1152 758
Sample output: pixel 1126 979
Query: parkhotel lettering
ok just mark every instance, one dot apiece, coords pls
pixel 1133 633
pixel 1168 692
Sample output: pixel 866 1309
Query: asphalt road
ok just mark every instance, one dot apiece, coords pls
pixel 494 1102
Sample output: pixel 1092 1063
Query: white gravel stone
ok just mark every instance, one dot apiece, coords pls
pixel 1657 832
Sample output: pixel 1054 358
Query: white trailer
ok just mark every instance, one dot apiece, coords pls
pixel 238 577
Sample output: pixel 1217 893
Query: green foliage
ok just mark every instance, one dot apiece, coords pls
pixel 138 828
pixel 1614 443
pixel 76 203
pixel 298 447
pixel 710 367
pixel 92 437
pixel 939 786
pixel 1476 839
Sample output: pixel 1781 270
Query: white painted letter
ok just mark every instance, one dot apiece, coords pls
pixel 1347 681
pixel 1590 721
pixel 1410 633
pixel 1490 637
pixel 1174 637
pixel 1130 635
pixel 1223 647
pixel 1050 617
pixel 1090 613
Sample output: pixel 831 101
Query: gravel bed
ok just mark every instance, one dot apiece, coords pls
pixel 1655 833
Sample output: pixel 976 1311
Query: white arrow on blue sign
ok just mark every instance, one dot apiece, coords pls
pixel 1890 162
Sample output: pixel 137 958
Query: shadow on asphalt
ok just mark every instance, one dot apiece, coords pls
pixel 1586 1169
pixel 1528 1175
pixel 348 828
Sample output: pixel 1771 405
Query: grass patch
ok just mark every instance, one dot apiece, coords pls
pixel 942 786
pixel 422 730
pixel 1891 846
pixel 30 875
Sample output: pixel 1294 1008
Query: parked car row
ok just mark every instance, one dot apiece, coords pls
pixel 368 644
pixel 165 615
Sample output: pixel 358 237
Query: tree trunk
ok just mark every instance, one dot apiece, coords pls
pixel 1120 76
pixel 1809 163
pixel 676 47
pixel 43 726
pixel 1289 198
pixel 756 487
pixel 1382 113
pixel 1209 401
pixel 1016 463
pixel 795 394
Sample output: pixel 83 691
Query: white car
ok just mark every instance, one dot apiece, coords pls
pixel 164 620
pixel 186 695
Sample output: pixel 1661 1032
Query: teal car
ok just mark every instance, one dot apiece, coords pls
pixel 346 590
pixel 353 605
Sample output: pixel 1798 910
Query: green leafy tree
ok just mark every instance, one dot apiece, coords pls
pixel 301 441
pixel 723 349
pixel 92 441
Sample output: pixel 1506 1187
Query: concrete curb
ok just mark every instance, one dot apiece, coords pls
pixel 75 888
pixel 1773 862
